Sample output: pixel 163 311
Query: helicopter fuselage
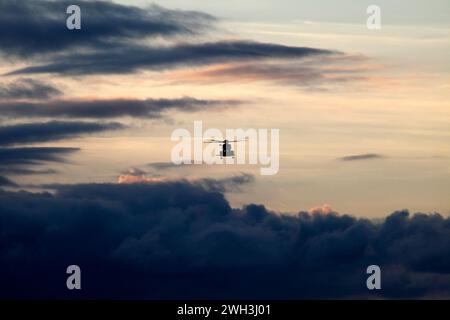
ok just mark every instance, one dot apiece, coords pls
pixel 226 150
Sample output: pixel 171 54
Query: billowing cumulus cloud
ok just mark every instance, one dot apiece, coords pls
pixel 111 108
pixel 28 89
pixel 34 27
pixel 50 131
pixel 230 184
pixel 182 240
pixel 323 209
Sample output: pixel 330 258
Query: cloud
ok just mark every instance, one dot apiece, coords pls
pixel 230 184
pixel 166 165
pixel 34 27
pixel 133 171
pixel 313 71
pixel 28 89
pixel 50 131
pixel 180 240
pixel 25 171
pixel 323 209
pixel 364 156
pixel 18 161
pixel 110 108
pixel 114 40
pixel 127 59
pixel 136 175
pixel 33 155
pixel 132 178
pixel 6 182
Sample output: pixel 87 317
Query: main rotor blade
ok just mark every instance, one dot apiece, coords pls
pixel 237 140
pixel 215 140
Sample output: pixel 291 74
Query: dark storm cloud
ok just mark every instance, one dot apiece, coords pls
pixel 232 183
pixel 31 27
pixel 111 108
pixel 365 156
pixel 179 240
pixel 128 59
pixel 25 171
pixel 113 37
pixel 33 155
pixel 50 131
pixel 21 161
pixel 28 89
pixel 6 182
pixel 227 184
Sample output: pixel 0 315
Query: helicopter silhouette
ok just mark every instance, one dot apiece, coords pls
pixel 226 150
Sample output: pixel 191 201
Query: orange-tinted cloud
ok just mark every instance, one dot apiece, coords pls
pixel 127 179
pixel 311 71
pixel 324 209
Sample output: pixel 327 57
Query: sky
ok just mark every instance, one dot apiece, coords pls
pixel 387 95
pixel 364 120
